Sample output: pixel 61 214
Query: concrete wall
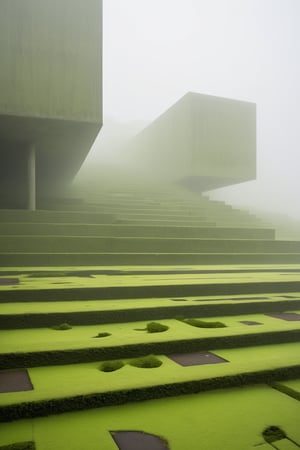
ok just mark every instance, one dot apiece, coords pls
pixel 51 58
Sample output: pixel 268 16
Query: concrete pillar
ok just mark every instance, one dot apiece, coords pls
pixel 31 178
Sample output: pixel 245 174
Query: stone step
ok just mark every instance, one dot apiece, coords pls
pixel 183 221
pixel 57 229
pixel 30 259
pixel 94 244
pixel 54 216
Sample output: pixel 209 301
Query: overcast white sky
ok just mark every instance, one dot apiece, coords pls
pixel 157 50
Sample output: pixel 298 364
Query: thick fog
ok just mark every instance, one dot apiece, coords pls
pixel 157 50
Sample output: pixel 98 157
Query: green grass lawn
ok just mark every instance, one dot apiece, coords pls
pixel 75 379
pixel 221 420
pixel 38 339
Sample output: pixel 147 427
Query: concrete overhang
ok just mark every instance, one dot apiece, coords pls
pixel 202 142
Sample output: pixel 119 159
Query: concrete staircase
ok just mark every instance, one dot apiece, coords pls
pixel 151 228
pixel 113 263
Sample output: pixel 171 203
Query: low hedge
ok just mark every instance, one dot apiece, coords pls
pixel 147 291
pixel 286 390
pixel 40 320
pixel 28 445
pixel 202 324
pixel 62 326
pixel 60 357
pixel 82 402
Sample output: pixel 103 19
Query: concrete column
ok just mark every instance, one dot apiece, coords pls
pixel 31 178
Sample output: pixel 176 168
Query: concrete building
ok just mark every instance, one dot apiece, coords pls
pixel 50 94
pixel 203 142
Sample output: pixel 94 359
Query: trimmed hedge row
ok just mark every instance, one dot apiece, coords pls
pixel 40 320
pixel 60 357
pixel 286 390
pixel 82 402
pixel 125 292
pixel 28 445
pixel 175 271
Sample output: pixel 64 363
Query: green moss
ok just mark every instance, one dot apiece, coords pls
pixel 156 327
pixel 201 324
pixel 103 334
pixel 28 445
pixel 62 326
pixel 286 390
pixel 42 407
pixel 146 362
pixel 46 274
pixel 58 356
pixel 273 433
pixel 111 366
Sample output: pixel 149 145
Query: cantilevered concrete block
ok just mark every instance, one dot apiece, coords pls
pixel 50 92
pixel 202 141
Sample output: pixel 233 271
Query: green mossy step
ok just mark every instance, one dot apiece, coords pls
pixel 118 288
pixel 59 353
pixel 83 386
pixel 47 314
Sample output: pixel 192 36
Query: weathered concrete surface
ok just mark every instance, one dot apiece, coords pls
pixel 50 91
pixel 203 142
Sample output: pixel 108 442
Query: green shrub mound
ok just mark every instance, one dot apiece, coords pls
pixel 146 362
pixel 28 445
pixel 156 327
pixel 111 366
pixel 201 324
pixel 103 334
pixel 273 433
pixel 62 326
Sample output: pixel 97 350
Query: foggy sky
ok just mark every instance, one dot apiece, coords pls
pixel 157 50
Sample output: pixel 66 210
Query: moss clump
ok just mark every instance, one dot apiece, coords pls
pixel 156 327
pixel 62 326
pixel 180 318
pixel 146 362
pixel 47 274
pixel 103 334
pixel 273 433
pixel 201 324
pixel 111 366
pixel 28 445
